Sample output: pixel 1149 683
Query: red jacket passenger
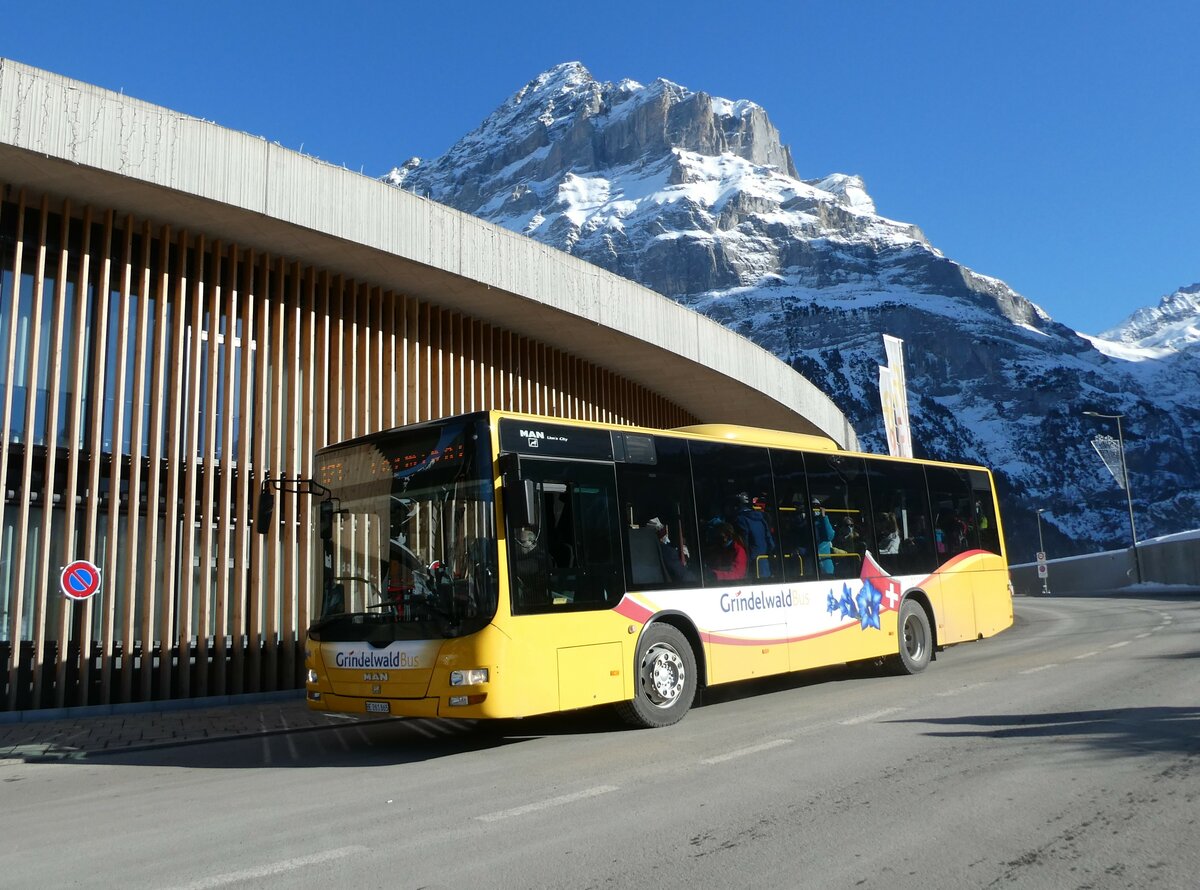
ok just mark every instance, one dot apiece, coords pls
pixel 733 556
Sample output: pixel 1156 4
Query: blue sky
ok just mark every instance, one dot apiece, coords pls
pixel 1054 145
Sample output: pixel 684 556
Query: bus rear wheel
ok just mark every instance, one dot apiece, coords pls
pixel 916 639
pixel 665 677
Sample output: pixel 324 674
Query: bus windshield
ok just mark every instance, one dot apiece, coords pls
pixel 408 534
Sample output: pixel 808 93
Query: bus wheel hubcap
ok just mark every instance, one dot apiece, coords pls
pixel 664 676
pixel 914 639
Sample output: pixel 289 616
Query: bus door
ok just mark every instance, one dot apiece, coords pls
pixel 565 566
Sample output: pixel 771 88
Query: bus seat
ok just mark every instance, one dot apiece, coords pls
pixel 645 557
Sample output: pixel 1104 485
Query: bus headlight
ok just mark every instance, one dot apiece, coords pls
pixel 312 676
pixel 472 677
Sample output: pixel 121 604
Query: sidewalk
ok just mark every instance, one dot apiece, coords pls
pixel 78 733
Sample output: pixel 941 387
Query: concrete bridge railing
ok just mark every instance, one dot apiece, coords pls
pixel 1172 561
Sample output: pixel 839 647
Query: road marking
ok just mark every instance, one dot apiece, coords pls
pixel 960 690
pixel 547 804
pixel 1119 645
pixel 1142 636
pixel 1087 654
pixel 742 752
pixel 1035 670
pixel 276 868
pixel 867 718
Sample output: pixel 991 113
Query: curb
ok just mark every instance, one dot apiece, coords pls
pixel 77 756
pixel 150 707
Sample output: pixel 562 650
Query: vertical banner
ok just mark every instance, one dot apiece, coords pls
pixel 889 410
pixel 893 396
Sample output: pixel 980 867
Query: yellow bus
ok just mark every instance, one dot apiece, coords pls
pixel 504 565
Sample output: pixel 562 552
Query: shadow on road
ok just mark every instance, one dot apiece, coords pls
pixel 405 741
pixel 1153 730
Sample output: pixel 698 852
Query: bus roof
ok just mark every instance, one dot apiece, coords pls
pixel 744 435
pixel 749 435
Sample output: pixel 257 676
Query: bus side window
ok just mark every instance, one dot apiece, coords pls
pixel 954 529
pixel 983 509
pixel 735 496
pixel 658 520
pixel 593 569
pixel 904 542
pixel 796 543
pixel 841 508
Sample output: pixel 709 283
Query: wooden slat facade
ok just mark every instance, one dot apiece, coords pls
pixel 150 378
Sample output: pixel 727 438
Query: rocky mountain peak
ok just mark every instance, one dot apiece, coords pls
pixel 697 197
pixel 1174 323
pixel 564 119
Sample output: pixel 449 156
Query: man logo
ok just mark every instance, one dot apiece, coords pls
pixel 375 675
pixel 532 434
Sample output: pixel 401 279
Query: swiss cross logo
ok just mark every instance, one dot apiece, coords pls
pixel 888 587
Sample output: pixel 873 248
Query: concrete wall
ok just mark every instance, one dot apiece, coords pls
pixel 1170 561
pixel 95 146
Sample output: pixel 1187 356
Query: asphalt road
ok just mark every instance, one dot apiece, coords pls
pixel 1063 753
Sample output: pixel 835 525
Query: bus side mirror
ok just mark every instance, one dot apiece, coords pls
pixel 530 498
pixel 265 512
pixel 521 495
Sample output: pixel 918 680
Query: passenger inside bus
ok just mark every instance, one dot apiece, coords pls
pixel 756 532
pixel 532 588
pixel 823 530
pixel 675 556
pixel 730 558
pixel 889 535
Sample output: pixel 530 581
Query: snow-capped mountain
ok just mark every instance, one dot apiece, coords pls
pixel 1173 324
pixel 698 198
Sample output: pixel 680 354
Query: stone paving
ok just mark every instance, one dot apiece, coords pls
pixel 89 732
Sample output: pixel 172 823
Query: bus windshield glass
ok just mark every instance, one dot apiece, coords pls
pixel 408 535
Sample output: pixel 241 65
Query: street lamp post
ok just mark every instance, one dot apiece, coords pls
pixel 1043 571
pixel 1137 562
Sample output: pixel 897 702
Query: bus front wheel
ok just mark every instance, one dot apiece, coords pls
pixel 666 679
pixel 916 639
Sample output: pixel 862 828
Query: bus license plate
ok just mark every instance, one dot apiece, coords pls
pixel 378 707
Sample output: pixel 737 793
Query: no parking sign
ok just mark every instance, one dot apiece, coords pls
pixel 80 580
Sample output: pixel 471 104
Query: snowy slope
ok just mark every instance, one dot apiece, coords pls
pixel 1174 324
